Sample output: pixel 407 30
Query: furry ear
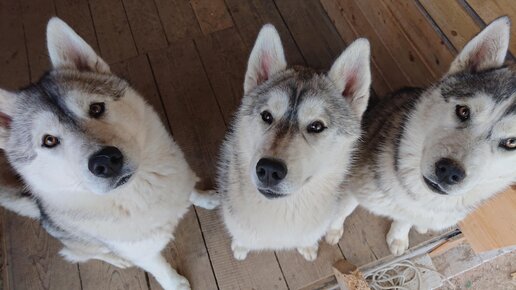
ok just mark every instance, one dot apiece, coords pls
pixel 486 50
pixel 267 58
pixel 7 100
pixel 67 49
pixel 351 74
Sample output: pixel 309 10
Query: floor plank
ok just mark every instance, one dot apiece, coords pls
pixel 35 15
pixel 178 19
pixel 198 128
pixel 113 33
pixel 76 13
pixel 212 15
pixel 99 275
pixel 249 17
pixel 352 24
pixel 13 56
pixel 454 21
pixel 224 57
pixel 490 10
pixel 317 39
pixel 145 25
pixel 34 262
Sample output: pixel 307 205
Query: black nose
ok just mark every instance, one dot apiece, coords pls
pixel 449 171
pixel 107 162
pixel 271 171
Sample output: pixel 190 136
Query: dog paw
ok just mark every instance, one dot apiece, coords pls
pixel 421 230
pixel 309 253
pixel 240 253
pixel 209 199
pixel 183 284
pixel 333 236
pixel 398 246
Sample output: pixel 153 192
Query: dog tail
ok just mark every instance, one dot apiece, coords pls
pixel 20 202
pixel 13 194
pixel 209 199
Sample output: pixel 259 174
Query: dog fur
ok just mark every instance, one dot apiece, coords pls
pixel 301 209
pixel 126 219
pixel 409 133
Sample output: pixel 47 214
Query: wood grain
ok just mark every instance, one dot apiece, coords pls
pixel 145 25
pixel 76 13
pixel 178 19
pixel 113 33
pixel 490 10
pixel 249 17
pixel 453 20
pixel 492 226
pixel 35 15
pixel 212 15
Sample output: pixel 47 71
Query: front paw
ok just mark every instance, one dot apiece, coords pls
pixel 397 246
pixel 183 284
pixel 333 236
pixel 240 253
pixel 309 253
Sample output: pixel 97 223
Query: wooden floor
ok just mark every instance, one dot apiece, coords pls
pixel 188 58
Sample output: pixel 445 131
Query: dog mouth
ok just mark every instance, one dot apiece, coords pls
pixel 270 194
pixel 434 186
pixel 123 180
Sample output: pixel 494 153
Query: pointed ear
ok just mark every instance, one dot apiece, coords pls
pixel 351 74
pixel 7 100
pixel 67 49
pixel 267 58
pixel 486 50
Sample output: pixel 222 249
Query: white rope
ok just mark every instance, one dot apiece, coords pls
pixel 398 275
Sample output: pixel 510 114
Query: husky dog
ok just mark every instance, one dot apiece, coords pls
pixel 430 156
pixel 107 179
pixel 290 147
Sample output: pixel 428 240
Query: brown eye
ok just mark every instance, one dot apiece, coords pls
pixel 267 117
pixel 50 141
pixel 462 112
pixel 509 143
pixel 97 110
pixel 316 127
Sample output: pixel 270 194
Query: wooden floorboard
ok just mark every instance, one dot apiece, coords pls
pixel 188 59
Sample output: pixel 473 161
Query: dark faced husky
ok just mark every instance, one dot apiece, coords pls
pixel 107 179
pixel 290 148
pixel 429 157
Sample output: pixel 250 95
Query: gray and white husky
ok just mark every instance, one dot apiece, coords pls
pixel 290 148
pixel 107 179
pixel 430 156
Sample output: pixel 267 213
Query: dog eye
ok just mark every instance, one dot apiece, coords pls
pixel 508 144
pixel 462 112
pixel 97 110
pixel 315 127
pixel 50 141
pixel 267 117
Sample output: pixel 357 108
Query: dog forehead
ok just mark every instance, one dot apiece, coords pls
pixel 499 84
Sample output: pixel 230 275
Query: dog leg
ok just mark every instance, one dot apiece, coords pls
pixel 309 253
pixel 337 227
pixel 239 252
pixel 397 238
pixel 208 199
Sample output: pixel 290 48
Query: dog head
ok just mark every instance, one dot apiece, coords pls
pixel 78 128
pixel 295 125
pixel 462 136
